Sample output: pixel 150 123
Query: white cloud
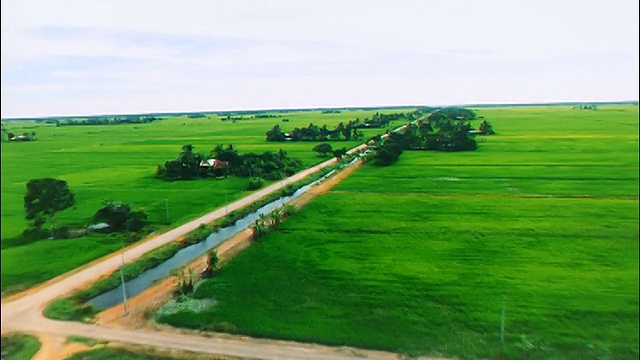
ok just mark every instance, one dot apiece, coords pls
pixel 217 54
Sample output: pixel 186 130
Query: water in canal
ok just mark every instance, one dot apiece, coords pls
pixel 139 284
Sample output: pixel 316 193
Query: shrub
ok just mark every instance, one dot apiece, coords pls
pixel 254 183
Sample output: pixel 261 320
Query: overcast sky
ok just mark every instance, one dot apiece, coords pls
pixel 117 57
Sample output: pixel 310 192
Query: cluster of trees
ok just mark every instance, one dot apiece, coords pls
pixel 267 222
pixel 46 197
pixel 133 119
pixel 446 129
pixel 585 107
pixel 225 161
pixel 486 128
pixel 120 217
pixel 326 148
pixel 9 136
pixel 381 120
pixel 188 280
pixel 266 116
pixel 232 118
pixel 316 133
pixel 342 132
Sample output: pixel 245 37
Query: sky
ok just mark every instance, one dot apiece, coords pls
pixel 95 57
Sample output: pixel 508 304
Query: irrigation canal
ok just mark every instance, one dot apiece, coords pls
pixel 140 283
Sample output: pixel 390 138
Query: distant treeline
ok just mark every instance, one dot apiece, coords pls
pixel 256 116
pixel 341 132
pixel 103 120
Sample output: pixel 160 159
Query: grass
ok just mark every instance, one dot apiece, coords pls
pixel 420 257
pixel 19 346
pixel 84 340
pixel 74 308
pixel 137 353
pixel 116 163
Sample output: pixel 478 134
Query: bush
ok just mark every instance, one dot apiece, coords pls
pixel 68 310
pixel 131 237
pixel 254 183
pixel 62 232
pixel 34 233
pixel 120 217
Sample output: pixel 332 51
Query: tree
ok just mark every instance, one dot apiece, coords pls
pixel 486 128
pixel 339 153
pixel 45 197
pixel 275 134
pixel 120 217
pixel 260 226
pixel 323 148
pixel 212 264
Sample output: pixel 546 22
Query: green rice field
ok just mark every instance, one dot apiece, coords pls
pixel 117 163
pixel 425 256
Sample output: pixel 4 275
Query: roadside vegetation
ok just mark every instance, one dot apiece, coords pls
pixel 540 224
pixel 76 308
pixel 138 353
pixel 105 164
pixel 18 346
pixel 224 161
pixel 342 132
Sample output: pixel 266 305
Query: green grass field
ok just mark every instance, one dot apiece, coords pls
pixel 420 257
pixel 19 346
pixel 117 163
pixel 116 353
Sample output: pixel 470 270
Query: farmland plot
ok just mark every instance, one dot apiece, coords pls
pixel 423 257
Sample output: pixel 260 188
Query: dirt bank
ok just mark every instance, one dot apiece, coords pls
pixel 151 299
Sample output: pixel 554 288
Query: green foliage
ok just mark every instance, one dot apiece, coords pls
pixel 117 120
pixel 174 306
pixel 390 150
pixel 423 253
pixel 341 132
pixel 83 340
pixel 254 183
pixel 120 217
pixel 451 113
pixel 212 264
pixel 70 310
pixel 486 128
pixel 260 227
pixel 103 163
pixel 323 148
pixel 18 346
pixel 185 167
pixel 227 161
pixel 339 153
pixel 45 197
pixel 114 353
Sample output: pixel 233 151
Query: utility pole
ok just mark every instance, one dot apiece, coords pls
pixel 124 288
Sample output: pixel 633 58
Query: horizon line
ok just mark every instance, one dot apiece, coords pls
pixel 315 108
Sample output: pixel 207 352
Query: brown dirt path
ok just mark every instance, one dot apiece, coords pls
pixel 54 347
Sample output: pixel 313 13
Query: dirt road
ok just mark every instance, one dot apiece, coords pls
pixel 23 312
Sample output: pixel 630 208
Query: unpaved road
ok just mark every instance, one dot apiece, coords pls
pixel 23 312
